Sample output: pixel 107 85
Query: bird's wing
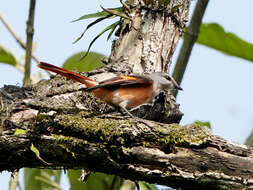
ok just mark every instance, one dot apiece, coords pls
pixel 119 81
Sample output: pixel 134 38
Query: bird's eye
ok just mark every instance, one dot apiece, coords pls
pixel 168 78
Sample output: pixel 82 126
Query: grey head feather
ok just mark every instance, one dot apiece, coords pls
pixel 163 81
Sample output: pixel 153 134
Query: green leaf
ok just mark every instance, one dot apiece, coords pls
pixel 73 176
pixel 48 182
pixel 42 179
pixel 35 150
pixel 92 61
pixel 7 57
pixel 214 36
pixel 113 29
pixel 37 153
pixel 116 13
pixel 100 34
pixel 95 15
pixel 90 25
pixel 95 181
pixel 203 123
pixel 92 15
pixel 20 131
pixel 147 186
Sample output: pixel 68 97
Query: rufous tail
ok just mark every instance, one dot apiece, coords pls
pixel 70 75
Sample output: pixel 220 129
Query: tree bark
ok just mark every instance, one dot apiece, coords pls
pixel 56 124
pixel 148 40
pixel 29 43
pixel 65 124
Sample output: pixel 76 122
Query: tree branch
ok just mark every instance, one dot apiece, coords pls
pixel 13 184
pixel 148 41
pixel 190 37
pixel 29 43
pixel 66 125
pixel 19 41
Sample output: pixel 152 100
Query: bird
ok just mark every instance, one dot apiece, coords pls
pixel 122 91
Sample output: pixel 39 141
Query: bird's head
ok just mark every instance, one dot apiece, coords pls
pixel 163 81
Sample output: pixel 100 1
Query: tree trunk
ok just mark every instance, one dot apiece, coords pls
pixel 148 40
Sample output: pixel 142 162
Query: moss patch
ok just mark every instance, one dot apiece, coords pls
pixel 189 135
pixel 95 129
pixel 77 130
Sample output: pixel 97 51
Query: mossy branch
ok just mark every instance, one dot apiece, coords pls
pixel 66 126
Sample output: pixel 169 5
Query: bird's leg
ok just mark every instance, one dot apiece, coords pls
pixel 146 122
pixel 126 111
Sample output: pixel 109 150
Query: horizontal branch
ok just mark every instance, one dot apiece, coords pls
pixel 65 124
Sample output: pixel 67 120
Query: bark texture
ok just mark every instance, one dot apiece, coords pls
pixel 70 128
pixel 148 40
pixel 66 126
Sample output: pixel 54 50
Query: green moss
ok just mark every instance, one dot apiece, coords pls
pixel 40 117
pixel 76 131
pixel 171 138
pixel 109 131
pixel 20 132
pixel 97 129
pixel 203 123
pixel 70 144
pixel 187 135
pixel 63 140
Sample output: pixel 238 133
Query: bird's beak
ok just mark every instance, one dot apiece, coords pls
pixel 179 88
pixel 176 85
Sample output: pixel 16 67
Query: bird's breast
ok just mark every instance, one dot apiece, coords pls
pixel 130 97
